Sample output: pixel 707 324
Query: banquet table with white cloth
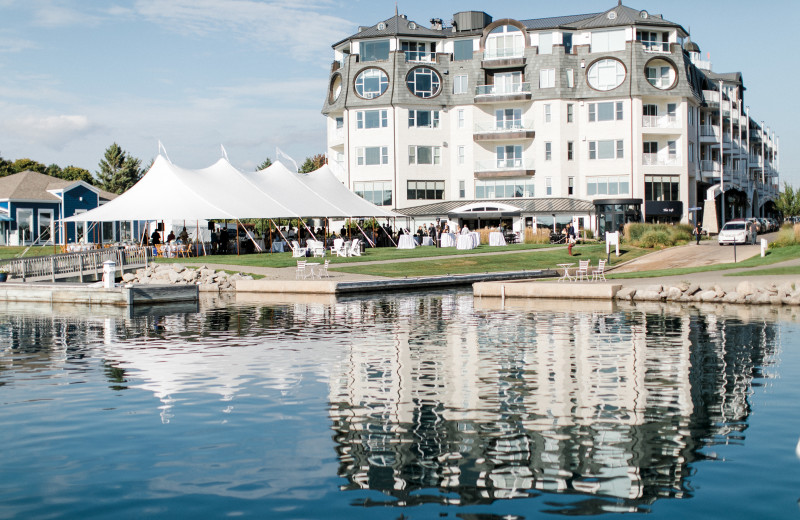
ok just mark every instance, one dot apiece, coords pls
pixel 496 239
pixel 278 246
pixel 427 241
pixel 467 241
pixel 406 242
pixel 447 240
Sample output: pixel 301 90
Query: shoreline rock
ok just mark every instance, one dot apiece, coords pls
pixel 208 280
pixel 746 292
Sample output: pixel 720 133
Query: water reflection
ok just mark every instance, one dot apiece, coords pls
pixel 466 407
pixel 430 398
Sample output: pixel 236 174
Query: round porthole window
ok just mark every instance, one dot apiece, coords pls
pixel 371 83
pixel 605 74
pixel 660 73
pixel 336 88
pixel 423 82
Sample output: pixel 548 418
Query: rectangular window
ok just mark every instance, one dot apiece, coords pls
pixel 424 155
pixel 546 43
pixel 650 147
pixel 672 148
pixel 548 184
pixel 691 116
pixel 547 114
pixel 613 185
pixel 507 118
pixel 502 189
pixel 570 112
pixel 375 50
pixel 461 154
pixel 608 111
pixel 649 110
pixel 509 156
pixel 570 185
pixel 606 41
pixel 548 151
pixel 566 40
pixel 607 149
pixel 425 190
pixel 372 155
pixel 378 193
pixel 570 151
pixel 339 123
pixel 423 118
pixel 547 78
pixel 460 84
pixel 462 189
pixel 570 78
pixel 691 152
pixel 462 50
pixel 661 187
pixel 372 119
pixel 461 118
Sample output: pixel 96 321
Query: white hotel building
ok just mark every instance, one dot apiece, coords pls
pixel 601 118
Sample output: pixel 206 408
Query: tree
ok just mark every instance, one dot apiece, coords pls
pixel 118 170
pixel 788 201
pixel 21 165
pixel 264 165
pixel 315 162
pixel 74 173
pixel 53 170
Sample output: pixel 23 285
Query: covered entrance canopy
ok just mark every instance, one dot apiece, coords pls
pixel 220 191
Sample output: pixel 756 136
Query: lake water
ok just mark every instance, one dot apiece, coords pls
pixel 399 406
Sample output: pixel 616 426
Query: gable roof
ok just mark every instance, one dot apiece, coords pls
pixel 31 185
pixel 556 21
pixel 624 16
pixel 397 25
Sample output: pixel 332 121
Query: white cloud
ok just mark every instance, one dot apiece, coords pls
pixel 54 13
pixel 300 29
pixel 53 131
pixel 13 45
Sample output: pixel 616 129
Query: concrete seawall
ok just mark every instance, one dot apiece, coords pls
pixel 571 291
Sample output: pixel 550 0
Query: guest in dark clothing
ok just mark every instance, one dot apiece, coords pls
pixel 223 241
pixel 155 238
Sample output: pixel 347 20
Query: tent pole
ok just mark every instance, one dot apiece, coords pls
pixel 237 236
pixel 270 239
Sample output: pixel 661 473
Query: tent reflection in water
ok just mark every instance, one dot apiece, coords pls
pixel 222 192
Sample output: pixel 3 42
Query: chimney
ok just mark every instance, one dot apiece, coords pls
pixel 436 24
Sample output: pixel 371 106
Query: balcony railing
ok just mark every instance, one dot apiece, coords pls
pixel 708 166
pixel 654 159
pixel 503 53
pixel 503 126
pixel 503 89
pixel 666 121
pixel 420 56
pixel 659 47
pixel 499 165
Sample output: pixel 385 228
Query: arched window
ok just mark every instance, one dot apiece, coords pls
pixel 605 74
pixel 660 73
pixel 505 41
pixel 371 83
pixel 423 82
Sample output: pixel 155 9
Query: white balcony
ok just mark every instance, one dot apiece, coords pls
pixel 501 165
pixel 503 89
pixel 420 57
pixel 655 47
pixel 707 166
pixel 503 126
pixel 659 159
pixel 665 121
pixel 504 53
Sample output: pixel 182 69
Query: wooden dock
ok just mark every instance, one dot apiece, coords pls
pixel 93 294
pixel 76 267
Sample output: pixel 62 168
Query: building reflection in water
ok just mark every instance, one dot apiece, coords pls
pixel 467 406
pixel 445 399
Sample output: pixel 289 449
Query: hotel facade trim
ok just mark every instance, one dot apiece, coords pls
pixel 598 119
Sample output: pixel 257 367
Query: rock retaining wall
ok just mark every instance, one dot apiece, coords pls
pixel 746 292
pixel 209 280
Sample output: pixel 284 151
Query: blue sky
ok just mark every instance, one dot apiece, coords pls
pixel 77 75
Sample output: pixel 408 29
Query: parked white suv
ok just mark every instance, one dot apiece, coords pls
pixel 737 232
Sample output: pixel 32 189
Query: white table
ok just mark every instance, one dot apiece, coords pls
pixel 447 240
pixel 406 242
pixel 427 241
pixel 278 246
pixel 476 238
pixel 496 239
pixel 465 242
pixel 566 277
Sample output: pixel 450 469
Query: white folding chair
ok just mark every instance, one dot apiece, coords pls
pixel 317 248
pixel 583 270
pixel 297 251
pixel 301 271
pixel 355 248
pixel 599 273
pixel 323 269
pixel 336 248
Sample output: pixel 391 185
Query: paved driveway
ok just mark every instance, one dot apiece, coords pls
pixel 709 252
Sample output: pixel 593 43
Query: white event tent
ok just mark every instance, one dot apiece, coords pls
pixel 220 191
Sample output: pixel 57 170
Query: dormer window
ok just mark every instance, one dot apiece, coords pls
pixel 381 26
pixel 653 41
pixel 505 41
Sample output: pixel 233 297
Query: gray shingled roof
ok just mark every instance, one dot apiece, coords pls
pixel 548 206
pixel 30 185
pixel 395 26
pixel 626 16
pixel 556 21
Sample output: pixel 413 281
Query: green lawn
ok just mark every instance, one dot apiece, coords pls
pixel 9 252
pixel 477 263
pixel 371 255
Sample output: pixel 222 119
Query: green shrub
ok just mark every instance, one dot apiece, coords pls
pixel 656 235
pixel 788 235
pixel 655 238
